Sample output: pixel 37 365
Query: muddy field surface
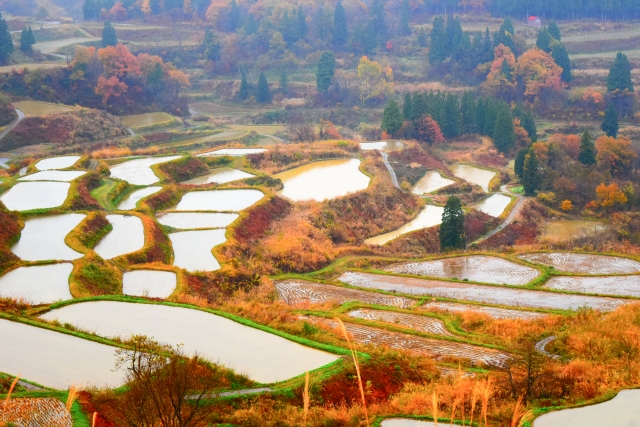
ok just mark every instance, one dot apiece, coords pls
pixel 438 349
pixel 584 263
pixel 295 292
pixel 35 413
pixel 613 285
pixel 410 321
pixel 495 312
pixel 485 269
pixel 479 293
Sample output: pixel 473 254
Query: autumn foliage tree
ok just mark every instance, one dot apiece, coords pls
pixel 539 73
pixel 375 80
pixel 615 156
pixel 428 131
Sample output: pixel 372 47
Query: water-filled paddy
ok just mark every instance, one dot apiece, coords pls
pixel 495 312
pixel 428 217
pixel 621 411
pixel 219 200
pixel 64 176
pixel 234 152
pixel 473 175
pixel 193 220
pixel 43 238
pixel 39 108
pixel 57 163
pixel 131 200
pixel 139 171
pixel 382 145
pixel 57 360
pixel 220 176
pixel 25 196
pixel 612 285
pixel 494 205
pixel 192 249
pixel 127 236
pixel 407 422
pixel 431 181
pixel 149 283
pixel 584 263
pixel 561 229
pixel 323 180
pixel 148 119
pixel 411 321
pixel 40 284
pixel 262 356
pixel 477 268
pixel 479 293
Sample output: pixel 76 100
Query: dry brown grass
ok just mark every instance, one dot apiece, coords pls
pixel 13 385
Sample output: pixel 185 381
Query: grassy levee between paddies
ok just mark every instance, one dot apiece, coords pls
pixel 157 246
pixel 10 227
pixel 91 275
pixel 169 196
pixel 86 235
pixel 111 192
pixel 181 169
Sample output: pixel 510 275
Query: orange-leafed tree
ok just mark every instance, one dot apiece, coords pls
pixel 119 61
pixel 109 87
pixel 428 131
pixel 80 64
pixel 501 79
pixel 118 12
pixel 610 195
pixel 566 205
pixel 214 11
pixel 539 73
pixel 615 155
pixel 146 7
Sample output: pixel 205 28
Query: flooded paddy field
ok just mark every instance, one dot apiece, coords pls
pixel 264 357
pixel 479 293
pixel 494 312
pixel 382 146
pixel 39 284
pixel 149 283
pixel 53 175
pixel 218 200
pixel 220 176
pixel 431 181
pixel 40 108
pixel 295 292
pixel 416 322
pixel 57 360
pixel 26 196
pixel 42 238
pixel 612 285
pixel 234 152
pixel 584 263
pixel 57 163
pixel 138 171
pixel 494 205
pixel 131 200
pixel 127 236
pixel 323 180
pixel 474 175
pixel 428 217
pixel 192 249
pixel 479 268
pixel 193 220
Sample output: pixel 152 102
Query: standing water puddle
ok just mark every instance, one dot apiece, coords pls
pixel 131 201
pixel 25 196
pixel 428 217
pixel 382 146
pixel 264 357
pixel 584 263
pixel 139 171
pixel 127 236
pixel 494 205
pixel 193 220
pixel 40 284
pixel 234 152
pixel 219 200
pixel 473 175
pixel 220 176
pixel 57 163
pixel 192 249
pixel 430 182
pixel 612 285
pixel 64 176
pixel 149 283
pixel 43 238
pixel 323 180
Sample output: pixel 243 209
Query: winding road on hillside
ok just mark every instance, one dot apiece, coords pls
pixel 13 124
pixel 512 215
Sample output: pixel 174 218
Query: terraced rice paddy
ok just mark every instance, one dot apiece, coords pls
pixel 194 220
pixel 479 268
pixel 220 176
pixel 382 146
pixel 219 200
pixel 564 229
pixel 481 177
pixel 431 181
pixel 149 283
pixel 430 216
pixel 26 196
pixel 57 163
pixel 262 356
pixel 295 292
pixel 49 412
pixel 494 205
pixel 234 152
pixel 148 119
pixel 438 349
pixel 40 284
pixel 57 360
pixel 127 236
pixel 622 410
pixel 612 285
pixel 42 238
pixel 323 180
pixel 410 321
pixel 192 249
pixel 584 263
pixel 63 176
pixel 131 200
pixel 479 293
pixel 495 312
pixel 138 171
pixel 40 109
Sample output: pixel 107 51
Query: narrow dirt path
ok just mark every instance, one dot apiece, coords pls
pixel 512 215
pixel 385 159
pixel 540 347
pixel 13 124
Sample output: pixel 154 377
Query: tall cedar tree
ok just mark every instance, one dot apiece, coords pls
pixel 561 57
pixel 89 9
pixel 468 113
pixel 407 107
pixel 340 31
pixel 452 234
pixel 451 126
pixel 506 70
pixel 587 154
pixel 454 33
pixel 6 43
pixel 377 22
pixel 391 118
pixel 504 134
pixel 490 116
pixel 326 70
pixel 109 35
pixel 518 165
pixel 505 35
pixel 301 23
pixel 26 40
pixel 527 122
pixel 619 77
pixel 405 18
pixel 610 124
pixel 554 31
pixel 284 81
pixel 233 21
pixel 243 93
pixel 438 46
pixel 544 40
pixel 531 174
pixel 211 46
pixel 263 96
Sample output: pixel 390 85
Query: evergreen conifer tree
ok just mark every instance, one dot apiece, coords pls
pixel 377 21
pixel 250 25
pixel 454 33
pixel 527 122
pixel 554 31
pixel 450 125
pixel 587 154
pixel 405 17
pixel 505 35
pixel 561 57
pixel 233 21
pixel 109 35
pixel 340 31
pixel 504 134
pixel 487 53
pixel 422 38
pixel 610 124
pixel 438 46
pixel 243 93
pixel 490 116
pixel 619 77
pixel 407 107
pixel 89 10
pixel 452 234
pixel 155 81
pixel 32 39
pixel 326 69
pixel 481 111
pixel 544 40
pixel 263 96
pixel 391 118
pixel 6 43
pixel 531 174
pixel 518 164
pixel 301 23
pixel 25 45
pixel 284 81
pixel 211 46
pixel 506 69
pixel 468 113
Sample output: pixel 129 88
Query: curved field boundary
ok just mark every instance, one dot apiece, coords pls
pixel 512 215
pixel 580 263
pixel 416 322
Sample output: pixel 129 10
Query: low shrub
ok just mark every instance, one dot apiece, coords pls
pixel 183 169
pixel 91 230
pixel 9 234
pixel 81 192
pixel 169 196
pixel 94 276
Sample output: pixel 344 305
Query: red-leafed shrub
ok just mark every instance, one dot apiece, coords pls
pixel 258 220
pixel 184 168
